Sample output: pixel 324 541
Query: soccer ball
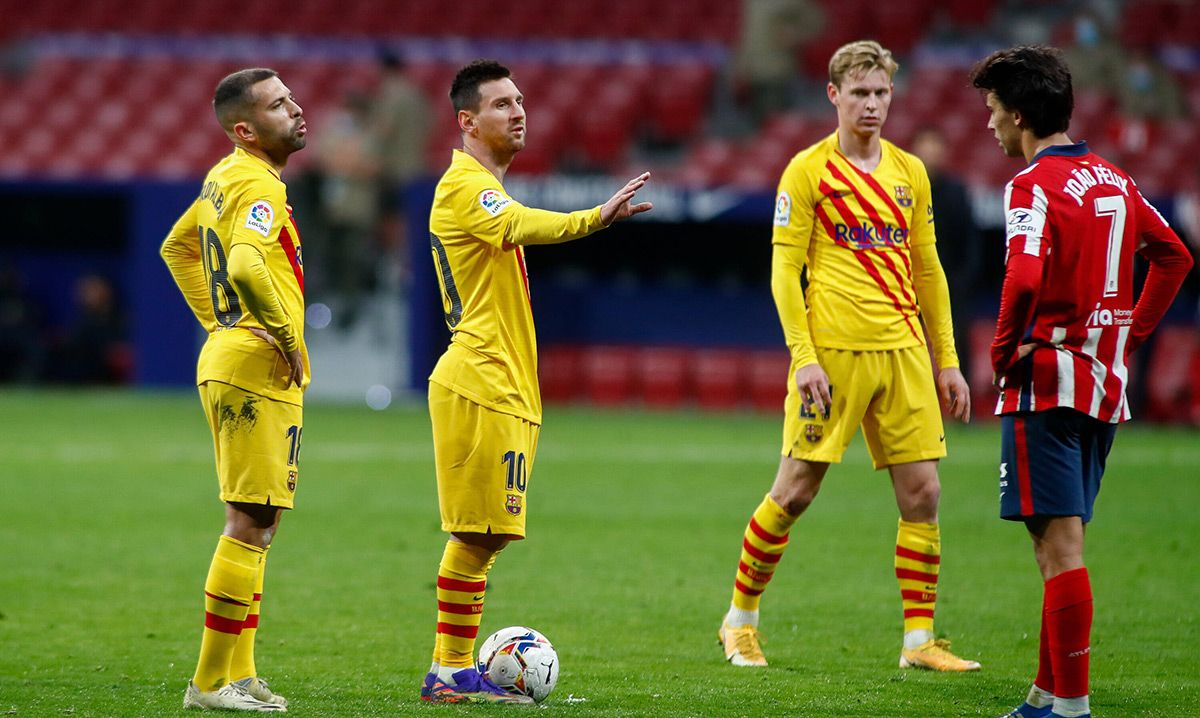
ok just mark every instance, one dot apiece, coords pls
pixel 520 660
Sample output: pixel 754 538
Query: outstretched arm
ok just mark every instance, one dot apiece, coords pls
pixel 538 226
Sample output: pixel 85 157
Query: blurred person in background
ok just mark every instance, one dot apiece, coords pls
pixel 349 200
pixel 94 349
pixel 22 350
pixel 1146 90
pixel 773 31
pixel 485 405
pixel 400 120
pixel 1096 59
pixel 959 240
pixel 236 256
pixel 1067 326
pixel 853 214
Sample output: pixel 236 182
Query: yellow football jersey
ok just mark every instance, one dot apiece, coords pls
pixel 477 233
pixel 243 202
pixel 858 232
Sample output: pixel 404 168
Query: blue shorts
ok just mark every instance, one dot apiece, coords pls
pixel 1051 463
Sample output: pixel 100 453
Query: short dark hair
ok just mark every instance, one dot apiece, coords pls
pixel 464 91
pixel 1033 80
pixel 232 99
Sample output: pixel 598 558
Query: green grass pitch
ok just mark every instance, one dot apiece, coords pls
pixel 108 518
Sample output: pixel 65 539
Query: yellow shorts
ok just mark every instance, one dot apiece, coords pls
pixel 890 393
pixel 257 442
pixel 484 459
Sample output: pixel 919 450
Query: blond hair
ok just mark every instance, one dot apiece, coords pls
pixel 859 58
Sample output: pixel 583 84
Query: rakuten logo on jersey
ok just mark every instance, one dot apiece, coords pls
pixel 870 236
pixel 1109 317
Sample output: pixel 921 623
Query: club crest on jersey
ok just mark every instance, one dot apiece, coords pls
pixel 813 432
pixel 904 195
pixel 493 202
pixel 783 209
pixel 291 482
pixel 260 217
pixel 513 505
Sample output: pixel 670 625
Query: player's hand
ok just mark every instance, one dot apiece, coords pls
pixel 296 366
pixel 293 358
pixel 1024 350
pixel 813 383
pixel 956 394
pixel 619 205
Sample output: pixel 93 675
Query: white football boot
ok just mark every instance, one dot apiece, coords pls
pixel 231 697
pixel 258 688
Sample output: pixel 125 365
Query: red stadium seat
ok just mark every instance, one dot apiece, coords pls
pixel 661 376
pixel 679 101
pixel 769 379
pixel 1171 394
pixel 718 375
pixel 608 375
pixel 559 372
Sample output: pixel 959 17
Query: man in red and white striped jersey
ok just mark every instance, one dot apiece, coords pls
pixel 1067 324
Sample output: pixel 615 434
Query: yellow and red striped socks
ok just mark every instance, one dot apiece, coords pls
pixel 763 544
pixel 918 557
pixel 228 593
pixel 461 582
pixel 242 664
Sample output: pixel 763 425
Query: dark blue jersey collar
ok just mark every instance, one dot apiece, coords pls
pixel 1079 149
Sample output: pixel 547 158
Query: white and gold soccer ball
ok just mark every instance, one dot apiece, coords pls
pixel 520 660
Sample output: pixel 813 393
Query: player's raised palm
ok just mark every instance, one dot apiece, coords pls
pixel 620 205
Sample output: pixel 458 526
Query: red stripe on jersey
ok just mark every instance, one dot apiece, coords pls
pixel 451 629
pixel 827 223
pixel 1106 352
pixel 852 222
pixel 258 597
pixel 453 584
pixel 224 599
pixel 762 533
pixel 754 574
pixel 220 624
pixel 746 589
pixel 524 273
pixel 869 208
pixel 251 621
pixel 1023 482
pixel 464 609
pixel 759 553
pixel 916 575
pixel 289 249
pixel 877 220
pixel 887 261
pixel 866 177
pixel 918 596
pixel 917 555
pixel 918 613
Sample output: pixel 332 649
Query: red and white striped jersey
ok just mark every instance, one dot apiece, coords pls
pixel 1073 223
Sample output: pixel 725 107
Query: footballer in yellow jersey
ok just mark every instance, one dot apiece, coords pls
pixel 236 256
pixel 484 403
pixel 853 216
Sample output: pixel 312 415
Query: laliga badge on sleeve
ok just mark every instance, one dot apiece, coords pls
pixel 783 209
pixel 260 217
pixel 493 202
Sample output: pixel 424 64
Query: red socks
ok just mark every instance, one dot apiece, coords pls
pixel 1066 634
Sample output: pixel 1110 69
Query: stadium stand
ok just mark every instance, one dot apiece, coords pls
pixel 612 85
